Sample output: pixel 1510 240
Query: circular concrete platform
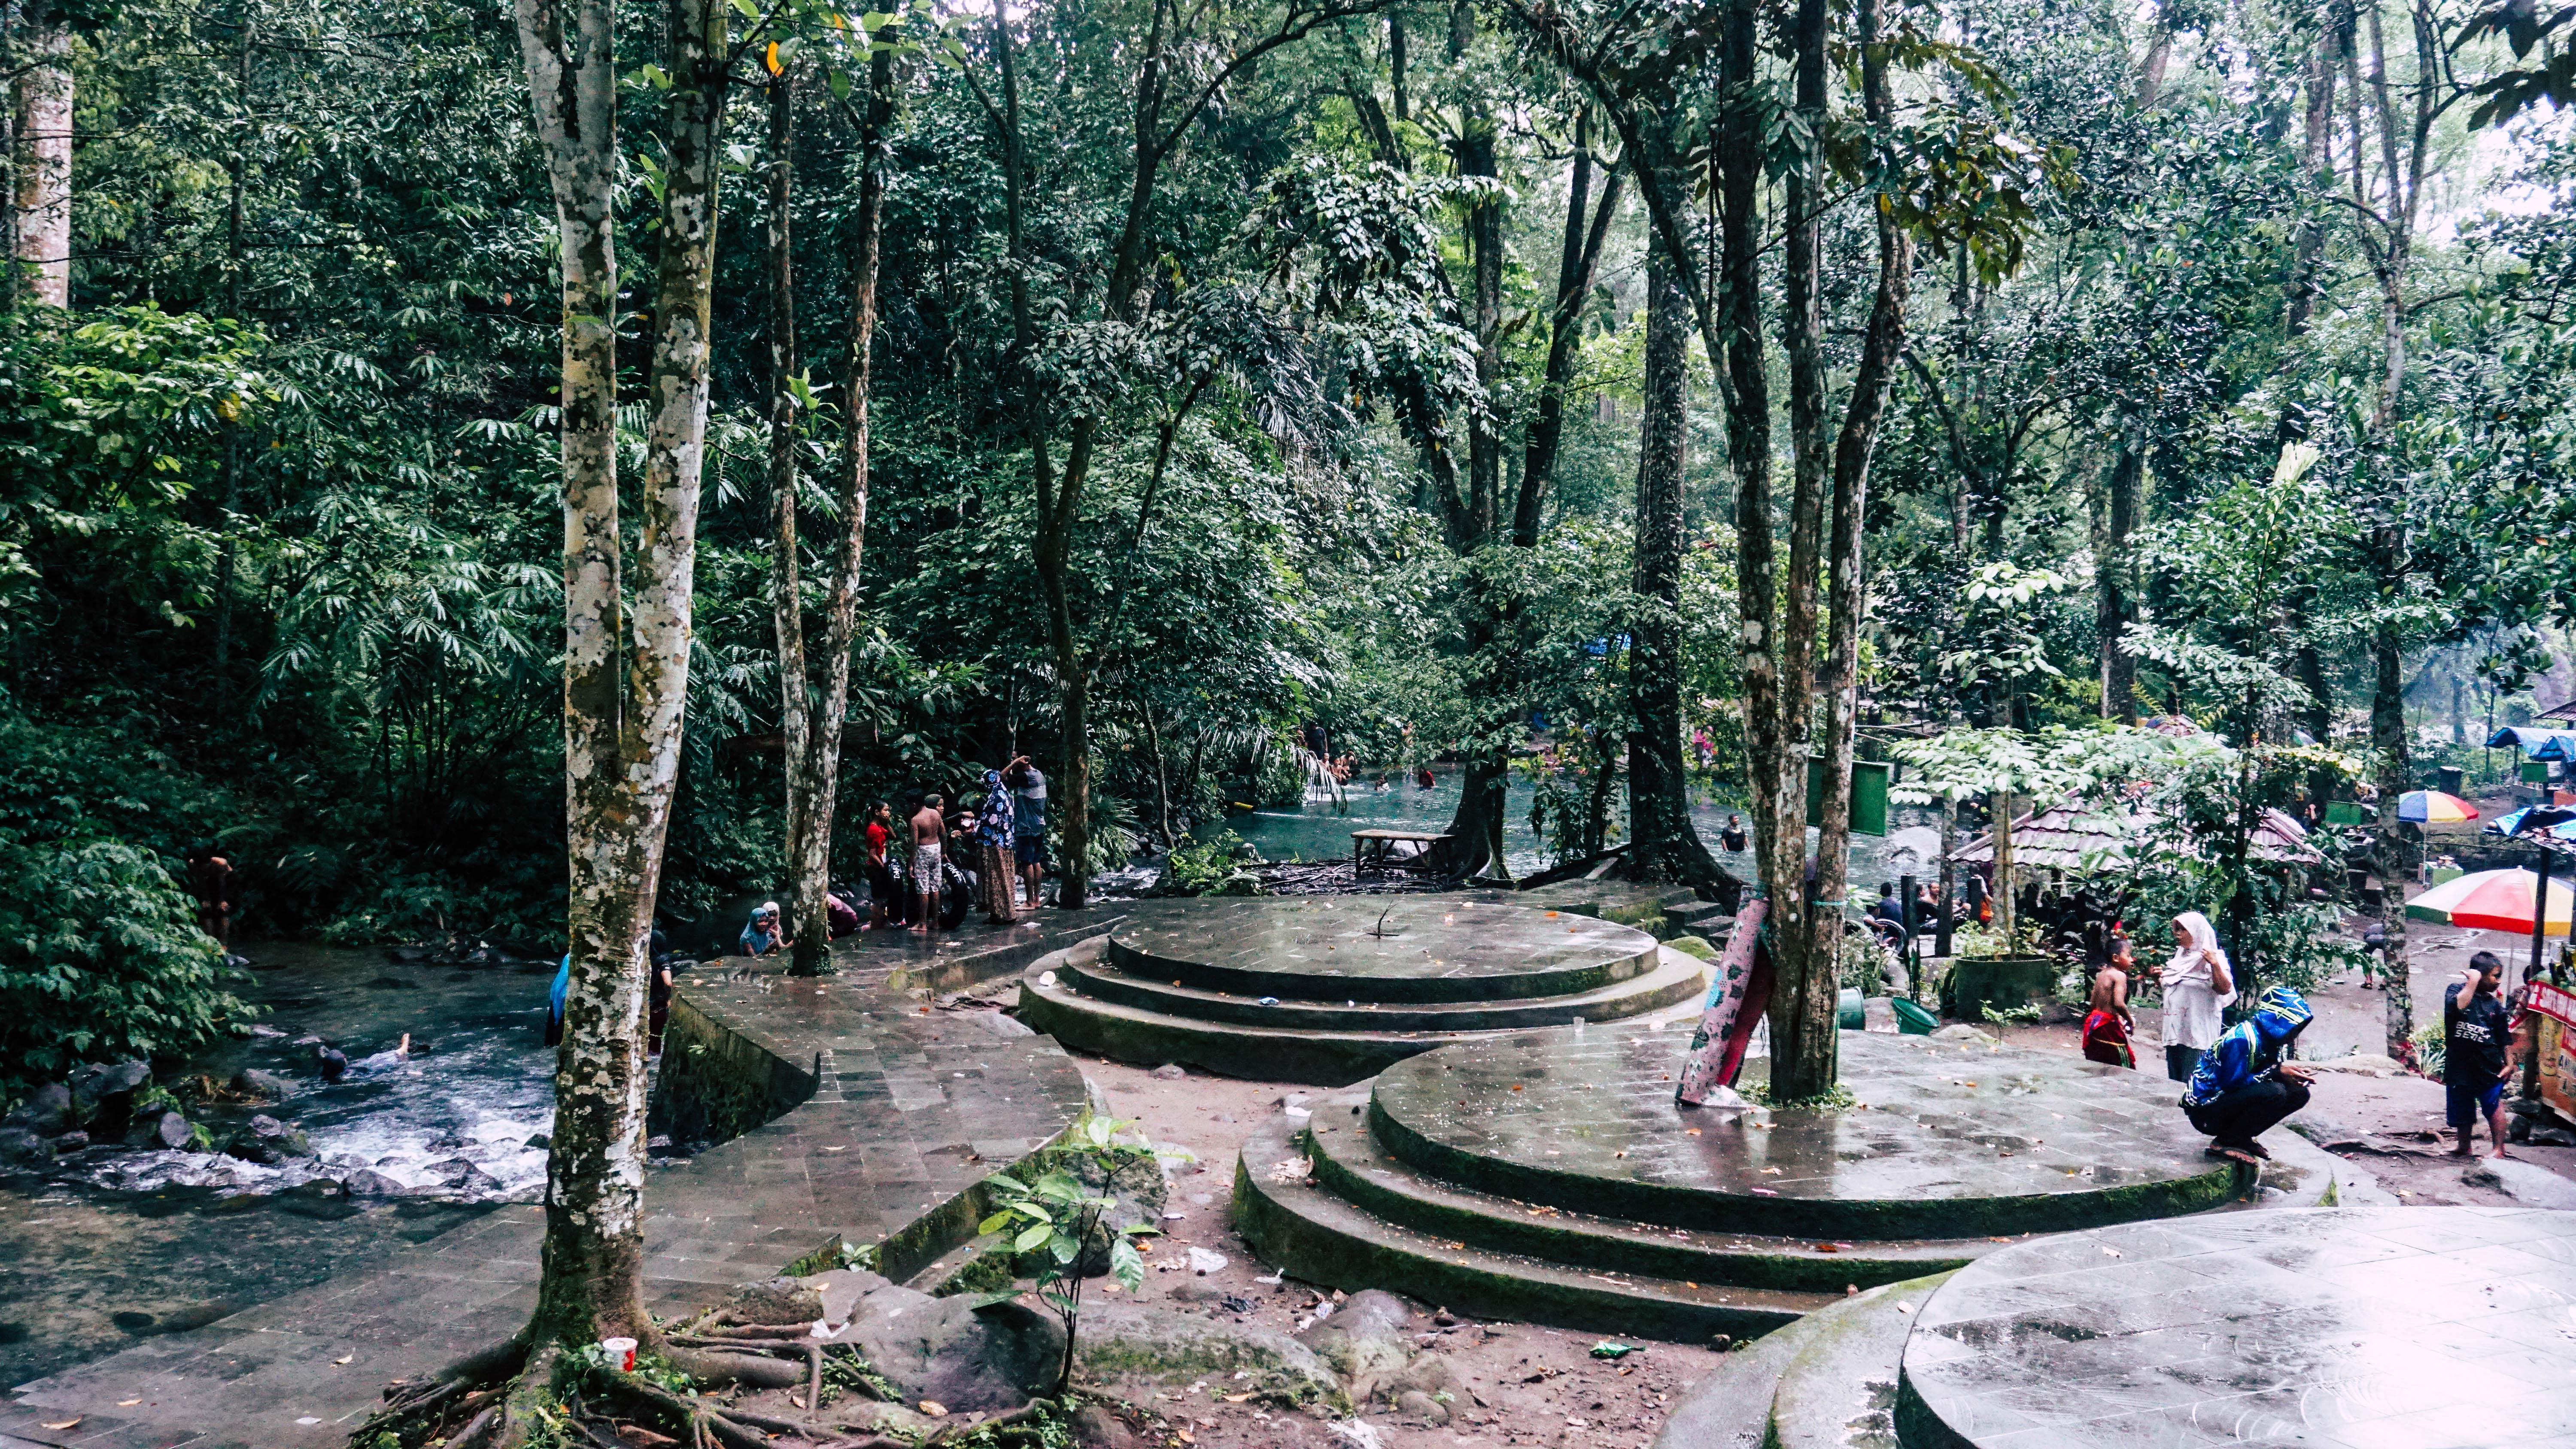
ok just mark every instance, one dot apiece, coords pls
pixel 1380 949
pixel 2330 1328
pixel 1949 1143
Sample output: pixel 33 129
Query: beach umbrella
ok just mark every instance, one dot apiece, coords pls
pixel 2432 807
pixel 2492 900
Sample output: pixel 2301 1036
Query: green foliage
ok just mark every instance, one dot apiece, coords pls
pixel 100 960
pixel 1053 1220
pixel 1208 868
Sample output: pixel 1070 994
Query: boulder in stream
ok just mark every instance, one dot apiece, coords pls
pixel 103 1094
pixel 18 1145
pixel 46 1112
pixel 267 1141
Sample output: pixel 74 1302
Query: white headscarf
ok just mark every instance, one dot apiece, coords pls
pixel 2192 999
pixel 2199 949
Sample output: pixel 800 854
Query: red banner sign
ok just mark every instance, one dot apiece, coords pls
pixel 2555 1002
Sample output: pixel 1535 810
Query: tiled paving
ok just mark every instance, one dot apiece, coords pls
pixel 1382 948
pixel 2008 1140
pixel 913 1107
pixel 2357 1328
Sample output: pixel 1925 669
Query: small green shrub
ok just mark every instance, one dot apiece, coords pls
pixel 100 960
pixel 1208 868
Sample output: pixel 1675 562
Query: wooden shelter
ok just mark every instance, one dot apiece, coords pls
pixel 2078 838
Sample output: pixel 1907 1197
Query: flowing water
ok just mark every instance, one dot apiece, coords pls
pixel 1321 831
pixel 114 1244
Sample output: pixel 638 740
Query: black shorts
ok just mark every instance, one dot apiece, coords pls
pixel 1029 850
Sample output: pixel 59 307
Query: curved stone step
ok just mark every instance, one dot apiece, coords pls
pixel 1353 1167
pixel 1306 1231
pixel 1433 949
pixel 1942 1139
pixel 1086 1023
pixel 1839 1392
pixel 1732 1406
pixel 1675 978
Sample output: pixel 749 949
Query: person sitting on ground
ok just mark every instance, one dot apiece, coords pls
pixel 764 936
pixel 2247 1083
pixel 2108 1026
pixel 929 838
pixel 842 916
pixel 1732 836
pixel 1889 908
pixel 2477 1052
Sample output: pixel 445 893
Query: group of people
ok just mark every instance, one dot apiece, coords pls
pixel 2241 1081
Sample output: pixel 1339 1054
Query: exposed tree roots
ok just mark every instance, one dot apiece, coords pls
pixel 505 1397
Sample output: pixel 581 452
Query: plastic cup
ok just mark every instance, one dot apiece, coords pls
pixel 621 1351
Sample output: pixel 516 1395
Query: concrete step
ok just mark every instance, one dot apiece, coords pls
pixel 1051 1002
pixel 1352 1166
pixel 1674 978
pixel 1839 1392
pixel 1307 1232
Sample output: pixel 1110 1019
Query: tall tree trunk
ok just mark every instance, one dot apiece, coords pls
pixel 1476 827
pixel 1663 846
pixel 818 769
pixel 623 691
pixel 786 586
pixel 43 163
pixel 2112 608
pixel 1578 263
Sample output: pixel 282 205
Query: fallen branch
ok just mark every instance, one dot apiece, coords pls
pixel 482 1428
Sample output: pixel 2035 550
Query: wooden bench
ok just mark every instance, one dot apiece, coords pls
pixel 1369 847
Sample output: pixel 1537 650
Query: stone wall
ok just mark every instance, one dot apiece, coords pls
pixel 716 1084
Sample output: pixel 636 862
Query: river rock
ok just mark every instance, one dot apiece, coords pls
pixel 779 1300
pixel 46 1112
pixel 1094 1427
pixel 950 1350
pixel 19 1145
pixel 1365 1341
pixel 72 1142
pixel 450 1172
pixel 842 1290
pixel 541 1142
pixel 367 1182
pixel 1428 1373
pixel 263 1084
pixel 103 1093
pixel 267 1141
pixel 171 1130
pixel 1414 1403
pixel 1131 1341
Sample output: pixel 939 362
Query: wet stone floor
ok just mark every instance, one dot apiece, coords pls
pixel 1568 1113
pixel 2356 1328
pixel 914 1106
pixel 1380 948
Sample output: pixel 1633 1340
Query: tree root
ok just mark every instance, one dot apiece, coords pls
pixel 763 1373
pixel 701 1418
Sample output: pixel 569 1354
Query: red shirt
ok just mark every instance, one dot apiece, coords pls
pixel 876 839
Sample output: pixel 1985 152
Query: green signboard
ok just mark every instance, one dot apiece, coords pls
pixel 2344 812
pixel 2535 772
pixel 1868 796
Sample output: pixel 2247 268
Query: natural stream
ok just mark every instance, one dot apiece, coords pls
pixel 114 1244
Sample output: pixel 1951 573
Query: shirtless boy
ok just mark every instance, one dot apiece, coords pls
pixel 929 831
pixel 2108 1025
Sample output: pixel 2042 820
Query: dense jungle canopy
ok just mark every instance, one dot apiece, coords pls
pixel 1234 369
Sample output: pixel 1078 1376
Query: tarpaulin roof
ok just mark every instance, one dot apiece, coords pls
pixel 2539 744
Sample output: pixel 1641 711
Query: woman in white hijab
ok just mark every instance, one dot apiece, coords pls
pixel 2198 981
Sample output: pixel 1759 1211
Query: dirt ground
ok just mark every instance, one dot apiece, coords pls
pixel 1518 1384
